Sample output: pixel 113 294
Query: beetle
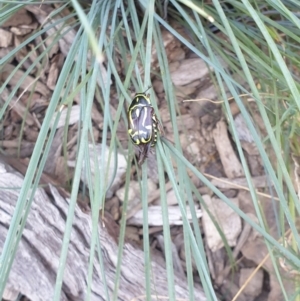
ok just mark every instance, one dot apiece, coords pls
pixel 142 125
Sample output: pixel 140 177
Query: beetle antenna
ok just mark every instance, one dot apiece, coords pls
pixel 147 89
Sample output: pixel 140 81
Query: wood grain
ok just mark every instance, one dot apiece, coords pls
pixel 34 270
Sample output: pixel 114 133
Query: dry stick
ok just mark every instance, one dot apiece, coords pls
pixel 241 187
pixel 221 101
pixel 250 277
pixel 203 99
pixel 138 298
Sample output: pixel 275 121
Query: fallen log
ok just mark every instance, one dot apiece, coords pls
pixel 35 265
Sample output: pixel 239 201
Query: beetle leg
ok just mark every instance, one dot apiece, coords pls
pixel 160 128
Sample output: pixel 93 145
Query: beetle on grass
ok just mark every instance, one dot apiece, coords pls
pixel 142 125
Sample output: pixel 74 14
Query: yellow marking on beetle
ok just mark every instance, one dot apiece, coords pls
pixel 144 96
pixel 146 141
pixel 142 128
pixel 139 105
pixel 130 120
pixel 136 133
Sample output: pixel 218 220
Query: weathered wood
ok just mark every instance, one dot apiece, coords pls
pixel 35 266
